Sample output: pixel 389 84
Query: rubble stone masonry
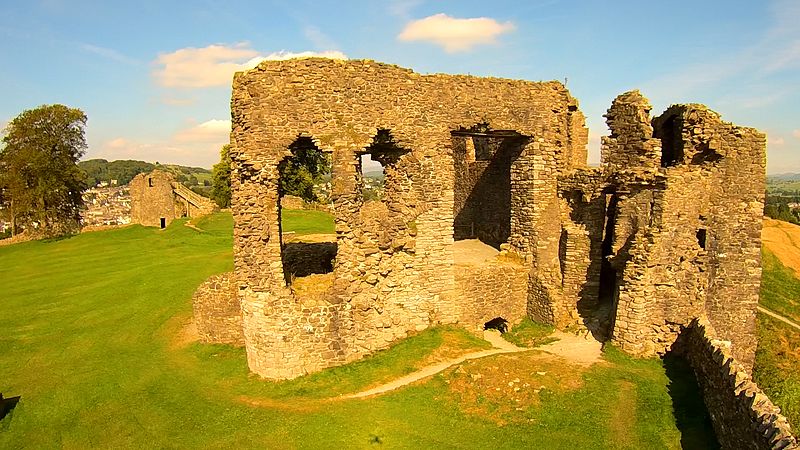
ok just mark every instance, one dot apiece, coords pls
pixel 157 199
pixel 664 234
pixel 666 231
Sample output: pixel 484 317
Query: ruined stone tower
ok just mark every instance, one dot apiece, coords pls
pixel 665 231
pixel 157 199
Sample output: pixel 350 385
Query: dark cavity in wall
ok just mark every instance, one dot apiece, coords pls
pixel 482 160
pixel 608 274
pixel 300 175
pixel 498 323
pixel 701 238
pixel 670 131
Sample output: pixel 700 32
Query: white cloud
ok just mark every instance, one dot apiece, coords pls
pixel 215 65
pixel 796 133
pixel 214 130
pixel 775 141
pixel 455 35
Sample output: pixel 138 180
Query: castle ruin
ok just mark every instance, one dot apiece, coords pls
pixel 157 199
pixel 665 233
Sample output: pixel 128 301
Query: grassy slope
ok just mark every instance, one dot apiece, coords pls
pixel 89 341
pixel 777 367
pixel 780 289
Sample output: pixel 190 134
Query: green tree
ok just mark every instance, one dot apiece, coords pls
pixel 39 176
pixel 221 179
pixel 304 169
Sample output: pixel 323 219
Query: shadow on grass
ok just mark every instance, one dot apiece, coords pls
pixel 7 406
pixel 691 414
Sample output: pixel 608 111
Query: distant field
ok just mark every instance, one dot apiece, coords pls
pixel 783 183
pixel 93 340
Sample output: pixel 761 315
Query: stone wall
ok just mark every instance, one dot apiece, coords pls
pixel 292 202
pixel 217 313
pixel 632 251
pixel 674 231
pixel 743 417
pixel 191 204
pixel 393 271
pixel 498 288
pixel 157 197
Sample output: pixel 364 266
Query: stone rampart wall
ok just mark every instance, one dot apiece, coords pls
pixel 742 415
pixel 217 313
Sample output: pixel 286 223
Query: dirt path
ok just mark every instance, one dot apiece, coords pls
pixel 783 240
pixel 778 316
pixel 573 348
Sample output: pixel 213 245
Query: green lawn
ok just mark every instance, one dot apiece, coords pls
pixel 90 339
pixel 777 366
pixel 307 221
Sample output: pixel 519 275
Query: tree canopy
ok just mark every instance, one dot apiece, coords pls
pixel 305 168
pixel 40 181
pixel 221 179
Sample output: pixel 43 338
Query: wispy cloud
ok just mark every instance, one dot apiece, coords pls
pixel 214 130
pixel 319 39
pixel 215 65
pixel 402 8
pixel 777 50
pixel 196 144
pixel 453 34
pixel 776 141
pixel 796 133
pixel 109 53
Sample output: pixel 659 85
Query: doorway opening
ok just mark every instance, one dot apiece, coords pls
pixel 482 160
pixel 303 174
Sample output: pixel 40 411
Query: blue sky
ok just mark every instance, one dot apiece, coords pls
pixel 154 76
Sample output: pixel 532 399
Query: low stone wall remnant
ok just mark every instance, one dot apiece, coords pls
pixel 743 416
pixel 217 313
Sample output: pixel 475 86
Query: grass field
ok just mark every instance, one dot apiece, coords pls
pixel 306 221
pixel 92 339
pixel 777 367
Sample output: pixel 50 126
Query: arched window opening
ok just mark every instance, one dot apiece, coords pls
pixel 378 167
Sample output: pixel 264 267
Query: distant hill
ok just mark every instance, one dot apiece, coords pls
pixel 100 170
pixel 784 183
pixel 378 174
